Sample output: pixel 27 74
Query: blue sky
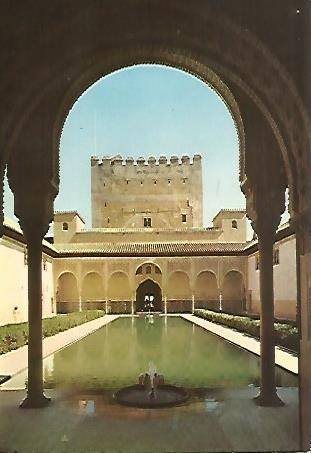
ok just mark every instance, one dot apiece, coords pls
pixel 149 110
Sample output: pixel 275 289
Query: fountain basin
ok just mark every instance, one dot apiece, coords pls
pixel 165 396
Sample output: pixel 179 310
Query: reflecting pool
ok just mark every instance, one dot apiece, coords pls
pixel 185 354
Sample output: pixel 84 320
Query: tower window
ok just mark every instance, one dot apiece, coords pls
pixel 155 182
pixel 141 182
pixel 183 218
pixel 127 181
pixel 147 222
pixel 105 204
pixel 25 256
pixel 188 203
pixel 168 181
pixel 257 263
pixel 234 224
pixel 65 226
pixel 184 180
pixel 108 220
pixel 276 257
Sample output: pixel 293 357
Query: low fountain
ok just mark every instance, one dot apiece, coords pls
pixel 151 392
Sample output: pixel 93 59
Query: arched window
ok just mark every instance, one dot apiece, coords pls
pixel 148 269
pixel 234 224
pixel 65 226
pixel 276 257
pixel 157 270
pixel 139 270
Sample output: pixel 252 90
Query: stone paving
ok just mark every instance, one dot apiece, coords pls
pixel 225 422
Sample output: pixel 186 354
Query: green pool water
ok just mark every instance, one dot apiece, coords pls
pixel 185 354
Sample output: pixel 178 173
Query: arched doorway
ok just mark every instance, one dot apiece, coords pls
pixel 148 295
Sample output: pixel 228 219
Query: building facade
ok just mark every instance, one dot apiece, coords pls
pixel 183 266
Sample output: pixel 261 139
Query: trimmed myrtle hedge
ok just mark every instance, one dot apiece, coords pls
pixel 13 336
pixel 286 335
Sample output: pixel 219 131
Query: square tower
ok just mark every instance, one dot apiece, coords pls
pixel 153 194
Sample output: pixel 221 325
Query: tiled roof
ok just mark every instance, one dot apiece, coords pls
pixel 151 249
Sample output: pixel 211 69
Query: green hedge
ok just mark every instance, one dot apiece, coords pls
pixel 13 336
pixel 286 335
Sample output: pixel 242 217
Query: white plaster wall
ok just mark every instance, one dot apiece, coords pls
pixel 284 274
pixel 14 285
pixel 285 283
pixel 13 282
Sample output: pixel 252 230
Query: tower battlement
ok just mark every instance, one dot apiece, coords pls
pixel 151 162
pixel 161 193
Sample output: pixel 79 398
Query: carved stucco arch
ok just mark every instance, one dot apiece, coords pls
pixel 204 52
pixel 238 271
pixel 83 281
pixel 65 272
pixel 144 263
pixel 207 271
pixel 117 271
pixel 137 285
pixel 92 271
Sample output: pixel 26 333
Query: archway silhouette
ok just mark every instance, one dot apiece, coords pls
pixel 148 294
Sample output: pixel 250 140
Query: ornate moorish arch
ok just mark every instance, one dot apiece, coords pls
pixel 233 291
pixel 43 85
pixel 67 294
pixel 178 286
pixel 206 291
pixel 92 289
pixel 118 287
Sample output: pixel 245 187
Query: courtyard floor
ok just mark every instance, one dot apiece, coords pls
pixel 227 421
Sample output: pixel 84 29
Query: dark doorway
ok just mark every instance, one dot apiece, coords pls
pixel 148 296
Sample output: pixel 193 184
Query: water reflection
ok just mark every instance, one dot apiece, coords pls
pixel 86 407
pixel 115 355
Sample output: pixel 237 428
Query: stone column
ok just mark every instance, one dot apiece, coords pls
pixel 192 304
pixel 220 301
pixel 35 396
pixel 265 203
pixel 263 182
pixel 268 395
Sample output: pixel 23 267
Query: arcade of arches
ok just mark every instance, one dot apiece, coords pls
pixel 251 55
pixel 117 290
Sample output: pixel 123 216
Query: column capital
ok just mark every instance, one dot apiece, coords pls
pixel 264 206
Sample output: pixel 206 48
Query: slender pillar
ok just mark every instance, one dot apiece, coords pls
pixel 220 302
pixel 80 302
pixel 165 305
pixel 268 395
pixel 132 306
pixel 35 396
pixel 192 304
